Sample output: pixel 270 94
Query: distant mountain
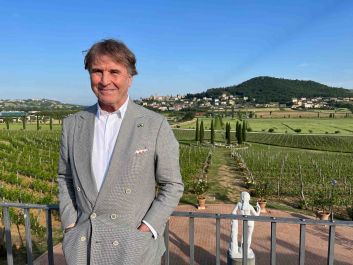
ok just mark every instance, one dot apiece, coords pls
pixel 35 104
pixel 270 89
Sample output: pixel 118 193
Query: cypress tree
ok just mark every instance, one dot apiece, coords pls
pixel 202 132
pixel 237 132
pixel 240 134
pixel 197 130
pixel 232 112
pixel 228 133
pixel 212 132
pixel 243 131
pixel 51 123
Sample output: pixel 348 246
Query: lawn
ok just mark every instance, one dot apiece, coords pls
pixel 342 126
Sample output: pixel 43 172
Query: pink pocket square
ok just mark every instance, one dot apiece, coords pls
pixel 140 151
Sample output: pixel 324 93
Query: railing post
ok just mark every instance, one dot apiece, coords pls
pixel 302 245
pixel 27 218
pixel 273 242
pixel 191 239
pixel 218 239
pixel 331 244
pixel 8 235
pixel 166 241
pixel 49 237
pixel 245 242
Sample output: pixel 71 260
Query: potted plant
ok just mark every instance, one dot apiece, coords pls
pixel 262 190
pixel 200 187
pixel 323 205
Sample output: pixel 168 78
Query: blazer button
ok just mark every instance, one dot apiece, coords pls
pixel 83 238
pixel 113 216
pixel 127 191
pixel 115 243
pixel 78 189
pixel 93 215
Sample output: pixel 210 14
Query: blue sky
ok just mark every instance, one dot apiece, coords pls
pixel 181 46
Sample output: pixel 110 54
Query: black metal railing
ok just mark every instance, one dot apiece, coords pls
pixel 49 229
pixel 273 220
pixel 191 216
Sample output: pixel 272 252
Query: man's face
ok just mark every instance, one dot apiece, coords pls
pixel 110 82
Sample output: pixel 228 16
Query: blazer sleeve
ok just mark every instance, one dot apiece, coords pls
pixel 168 177
pixel 67 201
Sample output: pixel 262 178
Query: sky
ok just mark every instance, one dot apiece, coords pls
pixel 181 46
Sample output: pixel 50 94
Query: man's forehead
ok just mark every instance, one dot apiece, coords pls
pixel 106 59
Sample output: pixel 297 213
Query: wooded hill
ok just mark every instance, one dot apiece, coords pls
pixel 270 89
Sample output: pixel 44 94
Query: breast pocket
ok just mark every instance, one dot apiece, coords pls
pixel 142 161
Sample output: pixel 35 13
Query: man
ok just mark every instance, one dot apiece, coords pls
pixel 113 154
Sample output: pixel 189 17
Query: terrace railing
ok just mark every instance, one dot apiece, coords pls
pixel 49 229
pixel 191 218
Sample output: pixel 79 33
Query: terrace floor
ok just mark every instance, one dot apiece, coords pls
pixel 287 241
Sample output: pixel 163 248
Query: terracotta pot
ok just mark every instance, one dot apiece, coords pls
pixel 323 215
pixel 201 200
pixel 262 206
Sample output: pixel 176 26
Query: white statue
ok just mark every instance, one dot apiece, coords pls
pixel 244 208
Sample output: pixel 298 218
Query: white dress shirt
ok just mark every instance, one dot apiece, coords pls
pixel 106 129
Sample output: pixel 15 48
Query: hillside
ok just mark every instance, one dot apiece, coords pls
pixel 270 89
pixel 35 104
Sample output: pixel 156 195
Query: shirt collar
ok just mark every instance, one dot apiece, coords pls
pixel 120 112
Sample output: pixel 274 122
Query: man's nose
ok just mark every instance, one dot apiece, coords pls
pixel 105 80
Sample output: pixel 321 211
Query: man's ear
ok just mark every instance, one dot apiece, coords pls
pixel 130 80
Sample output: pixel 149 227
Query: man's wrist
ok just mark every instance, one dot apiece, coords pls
pixel 152 230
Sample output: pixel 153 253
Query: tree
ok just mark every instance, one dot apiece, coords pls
pixel 238 134
pixel 51 123
pixel 212 132
pixel 23 122
pixel 202 132
pixel 232 112
pixel 8 121
pixel 243 131
pixel 197 130
pixel 38 127
pixel 228 133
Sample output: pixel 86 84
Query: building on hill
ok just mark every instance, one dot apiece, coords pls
pixel 11 114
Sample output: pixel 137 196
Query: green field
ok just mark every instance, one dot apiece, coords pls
pixel 302 174
pixel 30 126
pixel 335 143
pixel 342 126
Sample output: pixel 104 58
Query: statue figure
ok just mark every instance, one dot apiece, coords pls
pixel 244 208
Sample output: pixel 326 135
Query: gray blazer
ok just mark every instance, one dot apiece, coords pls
pixel 106 221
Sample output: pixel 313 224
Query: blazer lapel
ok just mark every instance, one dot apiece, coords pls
pixel 83 142
pixel 123 147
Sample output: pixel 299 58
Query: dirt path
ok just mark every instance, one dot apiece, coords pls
pixel 226 177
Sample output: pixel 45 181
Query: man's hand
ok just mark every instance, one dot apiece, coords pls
pixel 69 227
pixel 144 228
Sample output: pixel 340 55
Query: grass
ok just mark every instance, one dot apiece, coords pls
pixel 340 126
pixel 219 158
pixel 30 126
